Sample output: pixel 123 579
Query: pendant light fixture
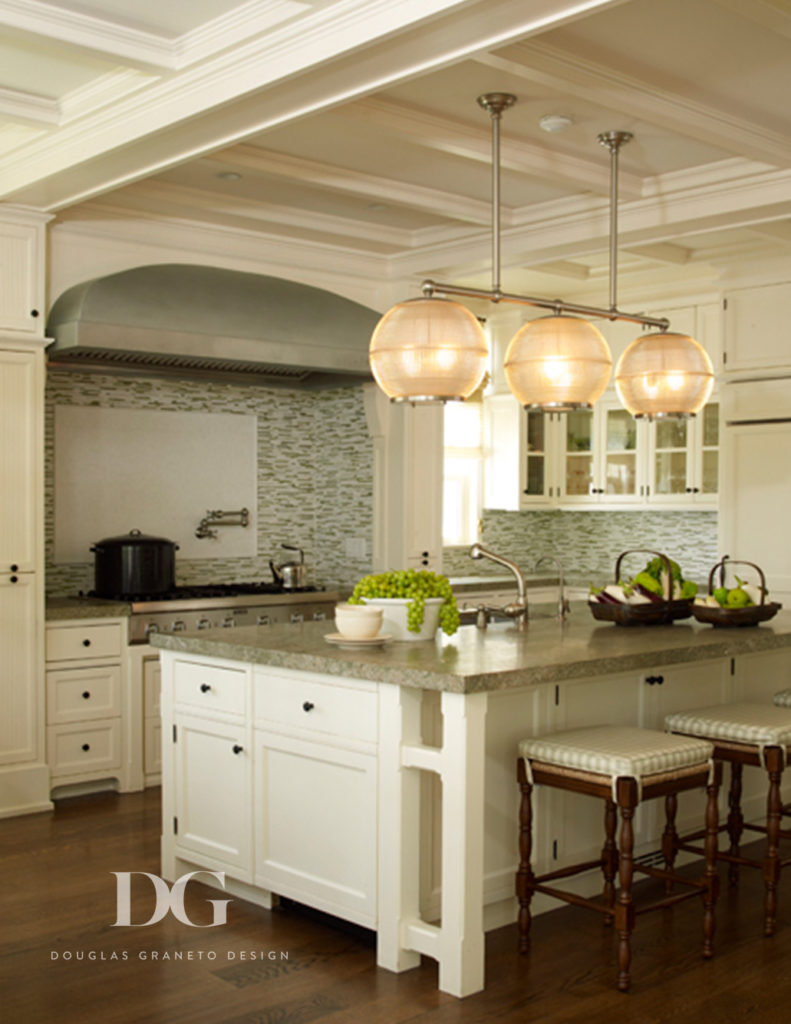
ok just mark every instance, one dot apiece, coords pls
pixel 433 349
pixel 659 375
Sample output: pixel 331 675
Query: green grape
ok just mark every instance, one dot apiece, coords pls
pixel 416 586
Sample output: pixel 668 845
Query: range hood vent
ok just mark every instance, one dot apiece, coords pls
pixel 185 321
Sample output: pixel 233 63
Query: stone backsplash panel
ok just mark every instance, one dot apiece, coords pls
pixel 315 473
pixel 588 543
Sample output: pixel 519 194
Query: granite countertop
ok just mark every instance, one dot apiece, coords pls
pixel 498 658
pixel 59 608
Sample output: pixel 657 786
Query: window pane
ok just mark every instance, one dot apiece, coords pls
pixel 579 431
pixel 711 424
pixel 579 474
pixel 535 474
pixel 463 422
pixel 621 475
pixel 535 432
pixel 671 433
pixel 671 473
pixel 710 482
pixel 621 431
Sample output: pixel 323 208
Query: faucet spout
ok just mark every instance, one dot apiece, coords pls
pixel 563 605
pixel 518 610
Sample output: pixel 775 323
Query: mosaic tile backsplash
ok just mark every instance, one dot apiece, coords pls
pixel 315 473
pixel 587 543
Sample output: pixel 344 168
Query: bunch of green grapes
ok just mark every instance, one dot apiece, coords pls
pixel 417 585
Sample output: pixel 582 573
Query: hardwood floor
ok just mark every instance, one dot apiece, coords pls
pixel 59 898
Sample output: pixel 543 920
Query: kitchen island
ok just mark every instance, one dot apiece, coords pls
pixel 378 784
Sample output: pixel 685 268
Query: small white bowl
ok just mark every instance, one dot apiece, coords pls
pixel 358 621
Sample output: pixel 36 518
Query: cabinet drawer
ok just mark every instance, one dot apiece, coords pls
pixel 211 687
pixel 310 704
pixel 77 694
pixel 66 643
pixel 84 747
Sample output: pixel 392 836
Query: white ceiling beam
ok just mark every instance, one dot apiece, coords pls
pixel 438 202
pixel 779 230
pixel 328 58
pixel 760 12
pixel 29 108
pixel 550 66
pixel 563 268
pixel 661 252
pixel 473 142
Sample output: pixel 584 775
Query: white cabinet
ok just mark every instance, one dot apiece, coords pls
pixel 756 328
pixel 683 460
pixel 85 698
pixel 24 777
pixel 152 722
pixel 22 271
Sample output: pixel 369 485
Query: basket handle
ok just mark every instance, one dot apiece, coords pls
pixel 736 561
pixel 647 551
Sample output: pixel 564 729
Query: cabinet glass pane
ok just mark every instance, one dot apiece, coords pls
pixel 579 432
pixel 711 425
pixel 711 465
pixel 671 433
pixel 621 431
pixel 579 474
pixel 671 473
pixel 621 475
pixel 536 432
pixel 535 474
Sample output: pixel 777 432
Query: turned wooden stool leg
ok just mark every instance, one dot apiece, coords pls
pixel 735 819
pixel 774 810
pixel 670 837
pixel 525 879
pixel 609 857
pixel 624 909
pixel 710 875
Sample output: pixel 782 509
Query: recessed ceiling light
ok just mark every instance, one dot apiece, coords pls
pixel 555 122
pixel 229 176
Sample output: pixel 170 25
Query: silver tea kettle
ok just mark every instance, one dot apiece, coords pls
pixel 290 575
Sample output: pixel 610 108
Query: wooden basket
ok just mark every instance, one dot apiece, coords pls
pixel 736 616
pixel 657 613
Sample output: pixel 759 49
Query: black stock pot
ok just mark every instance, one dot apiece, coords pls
pixel 134 565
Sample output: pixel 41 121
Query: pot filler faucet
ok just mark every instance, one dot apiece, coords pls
pixel 518 609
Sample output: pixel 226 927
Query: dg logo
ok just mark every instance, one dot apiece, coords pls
pixel 167 899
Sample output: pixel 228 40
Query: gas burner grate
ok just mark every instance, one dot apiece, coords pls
pixel 203 591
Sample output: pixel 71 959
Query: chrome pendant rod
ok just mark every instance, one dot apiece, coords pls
pixel 495 103
pixel 613 141
pixel 557 305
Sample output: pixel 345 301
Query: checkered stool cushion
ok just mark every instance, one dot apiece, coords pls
pixel 783 699
pixel 616 751
pixel 758 725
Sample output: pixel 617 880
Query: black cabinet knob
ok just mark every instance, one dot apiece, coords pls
pixel 655 680
pixel 86 746
pixel 237 749
pixel 14 568
pixel 34 312
pixel 86 643
pixel 86 694
pixel 204 687
pixel 15 579
pixel 308 705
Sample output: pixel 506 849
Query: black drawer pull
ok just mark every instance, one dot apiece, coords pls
pixel 86 694
pixel 204 687
pixel 86 746
pixel 658 680
pixel 86 643
pixel 237 749
pixel 308 705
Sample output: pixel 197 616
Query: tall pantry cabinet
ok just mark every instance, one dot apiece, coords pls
pixel 24 775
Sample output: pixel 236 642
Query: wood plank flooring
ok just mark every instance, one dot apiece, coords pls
pixel 59 898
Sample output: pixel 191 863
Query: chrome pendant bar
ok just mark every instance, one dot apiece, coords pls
pixel 558 306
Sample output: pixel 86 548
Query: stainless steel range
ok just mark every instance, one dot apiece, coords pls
pixel 185 609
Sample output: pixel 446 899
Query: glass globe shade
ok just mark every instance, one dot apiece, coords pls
pixel 428 350
pixel 664 374
pixel 558 363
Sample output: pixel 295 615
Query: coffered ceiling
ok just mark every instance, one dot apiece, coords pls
pixel 352 125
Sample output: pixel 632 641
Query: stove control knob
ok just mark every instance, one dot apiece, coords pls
pixel 179 626
pixel 204 624
pixel 297 617
pixel 151 627
pixel 228 622
pixel 263 620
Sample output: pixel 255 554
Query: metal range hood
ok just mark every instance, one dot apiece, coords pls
pixel 179 320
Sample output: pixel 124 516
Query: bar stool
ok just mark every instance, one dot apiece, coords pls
pixel 745 734
pixel 622 766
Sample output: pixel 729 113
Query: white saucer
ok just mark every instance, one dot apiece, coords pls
pixel 354 641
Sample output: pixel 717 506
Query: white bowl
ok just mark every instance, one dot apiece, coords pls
pixel 357 621
pixel 395 617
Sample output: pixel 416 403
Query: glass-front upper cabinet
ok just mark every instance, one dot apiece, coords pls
pixel 536 456
pixel 601 456
pixel 578 454
pixel 684 459
pixel 620 477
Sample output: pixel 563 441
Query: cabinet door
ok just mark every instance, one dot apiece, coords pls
pixel 21 438
pixel 619 478
pixel 670 461
pixel 316 824
pixel 20 669
pixel 756 327
pixel 578 481
pixel 20 307
pixel 213 798
pixel 539 486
